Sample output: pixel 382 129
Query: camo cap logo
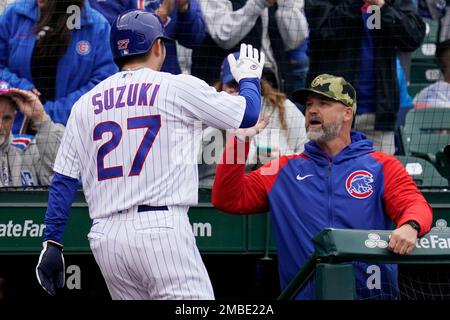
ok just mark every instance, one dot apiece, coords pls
pixel 318 81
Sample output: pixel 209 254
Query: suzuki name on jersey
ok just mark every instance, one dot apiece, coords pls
pixel 135 94
pixel 25 229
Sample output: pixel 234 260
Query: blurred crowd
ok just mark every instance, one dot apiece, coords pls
pixel 55 51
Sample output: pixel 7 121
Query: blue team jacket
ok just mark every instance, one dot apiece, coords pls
pixel 356 189
pixel 87 62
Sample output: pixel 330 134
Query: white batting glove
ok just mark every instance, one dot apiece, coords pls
pixel 249 65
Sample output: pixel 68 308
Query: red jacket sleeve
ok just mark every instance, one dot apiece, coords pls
pixel 236 192
pixel 402 198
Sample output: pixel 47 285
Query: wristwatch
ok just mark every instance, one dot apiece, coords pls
pixel 413 224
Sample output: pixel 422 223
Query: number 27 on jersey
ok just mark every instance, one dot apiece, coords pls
pixel 151 122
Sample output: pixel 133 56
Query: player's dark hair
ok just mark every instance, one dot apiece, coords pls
pixel 136 58
pixel 120 62
pixel 443 57
pixel 52 31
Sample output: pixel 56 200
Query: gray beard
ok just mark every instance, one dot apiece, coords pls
pixel 326 133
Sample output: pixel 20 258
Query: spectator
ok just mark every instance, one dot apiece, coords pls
pixel 182 19
pixel 406 104
pixel 186 25
pixel 438 10
pixel 438 93
pixel 24 161
pixel 110 9
pixel 298 65
pixel 275 26
pixel 346 40
pixel 56 54
pixel 431 9
pixel 284 135
pixel 308 192
pixel 444 24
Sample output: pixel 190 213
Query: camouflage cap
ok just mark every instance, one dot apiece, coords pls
pixel 333 87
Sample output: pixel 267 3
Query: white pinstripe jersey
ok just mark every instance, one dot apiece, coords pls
pixel 134 139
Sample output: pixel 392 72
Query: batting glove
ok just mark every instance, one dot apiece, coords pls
pixel 50 270
pixel 249 65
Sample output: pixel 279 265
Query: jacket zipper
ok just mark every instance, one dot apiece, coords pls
pixel 330 189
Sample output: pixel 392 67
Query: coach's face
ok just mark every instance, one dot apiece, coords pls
pixel 324 118
pixel 7 115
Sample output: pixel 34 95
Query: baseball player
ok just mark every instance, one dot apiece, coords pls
pixel 127 138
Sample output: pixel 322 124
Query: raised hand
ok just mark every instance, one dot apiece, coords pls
pixel 29 104
pixel 249 65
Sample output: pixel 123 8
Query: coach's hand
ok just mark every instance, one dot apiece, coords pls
pixel 249 65
pixel 249 133
pixel 50 270
pixel 403 240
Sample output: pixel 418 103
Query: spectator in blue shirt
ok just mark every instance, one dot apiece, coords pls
pixel 110 9
pixel 182 19
pixel 298 65
pixel 55 52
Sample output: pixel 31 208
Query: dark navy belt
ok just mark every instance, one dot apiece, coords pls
pixel 144 208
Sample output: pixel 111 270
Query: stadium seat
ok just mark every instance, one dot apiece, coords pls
pixel 423 172
pixel 428 48
pixel 424 72
pixel 414 89
pixel 426 132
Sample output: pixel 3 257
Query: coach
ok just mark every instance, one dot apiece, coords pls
pixel 339 181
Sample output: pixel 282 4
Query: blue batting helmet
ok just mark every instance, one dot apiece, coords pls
pixel 134 32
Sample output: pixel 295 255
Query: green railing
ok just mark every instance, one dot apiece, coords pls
pixel 22 215
pixel 335 281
